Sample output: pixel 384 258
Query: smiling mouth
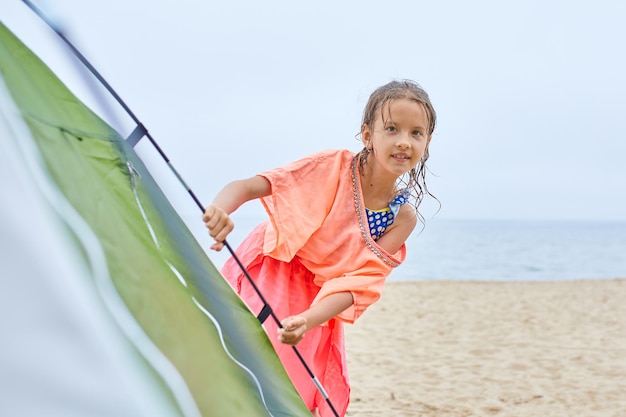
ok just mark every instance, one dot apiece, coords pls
pixel 401 157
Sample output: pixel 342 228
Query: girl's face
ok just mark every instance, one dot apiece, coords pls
pixel 398 138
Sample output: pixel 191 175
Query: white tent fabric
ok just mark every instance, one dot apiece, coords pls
pixel 61 353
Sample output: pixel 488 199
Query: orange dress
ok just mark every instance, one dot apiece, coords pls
pixel 316 243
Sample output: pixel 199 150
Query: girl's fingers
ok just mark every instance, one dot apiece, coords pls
pixel 219 225
pixel 293 322
pixel 217 246
pixel 293 330
pixel 290 338
pixel 223 229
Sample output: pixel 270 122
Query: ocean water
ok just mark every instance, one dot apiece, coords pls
pixel 499 250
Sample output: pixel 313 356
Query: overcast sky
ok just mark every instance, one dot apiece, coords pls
pixel 530 95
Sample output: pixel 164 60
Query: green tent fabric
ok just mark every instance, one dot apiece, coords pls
pixel 193 344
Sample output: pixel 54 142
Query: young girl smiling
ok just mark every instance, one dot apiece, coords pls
pixel 337 227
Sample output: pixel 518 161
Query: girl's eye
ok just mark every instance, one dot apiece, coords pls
pixel 417 133
pixel 390 129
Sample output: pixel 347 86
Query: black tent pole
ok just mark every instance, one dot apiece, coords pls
pixel 145 132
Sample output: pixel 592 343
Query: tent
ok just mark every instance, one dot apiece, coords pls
pixel 108 304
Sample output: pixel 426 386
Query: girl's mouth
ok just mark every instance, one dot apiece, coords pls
pixel 401 157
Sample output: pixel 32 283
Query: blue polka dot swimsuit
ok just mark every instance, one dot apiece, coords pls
pixel 379 220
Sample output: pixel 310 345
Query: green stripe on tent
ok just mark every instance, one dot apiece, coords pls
pixel 167 283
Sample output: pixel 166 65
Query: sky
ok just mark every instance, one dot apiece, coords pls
pixel 530 95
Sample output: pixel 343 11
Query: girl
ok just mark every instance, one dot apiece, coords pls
pixel 337 227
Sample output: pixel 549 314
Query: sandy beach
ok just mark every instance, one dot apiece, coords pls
pixel 516 349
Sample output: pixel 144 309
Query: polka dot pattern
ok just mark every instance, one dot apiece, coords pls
pixel 379 220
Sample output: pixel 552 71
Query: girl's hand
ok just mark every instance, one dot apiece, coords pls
pixel 219 224
pixel 293 330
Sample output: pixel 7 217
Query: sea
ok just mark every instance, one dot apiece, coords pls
pixel 506 250
pixel 502 250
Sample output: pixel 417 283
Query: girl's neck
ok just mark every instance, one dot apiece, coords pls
pixel 377 190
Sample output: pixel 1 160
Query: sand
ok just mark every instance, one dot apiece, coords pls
pixel 491 349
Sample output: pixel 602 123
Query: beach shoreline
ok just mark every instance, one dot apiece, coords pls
pixel 444 348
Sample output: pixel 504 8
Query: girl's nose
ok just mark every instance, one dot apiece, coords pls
pixel 403 142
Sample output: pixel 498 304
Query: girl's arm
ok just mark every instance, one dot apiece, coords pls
pixel 295 327
pixel 230 198
pixel 395 236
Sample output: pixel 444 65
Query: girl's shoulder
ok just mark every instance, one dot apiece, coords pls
pixel 333 153
pixel 406 217
pixel 326 164
pixel 320 159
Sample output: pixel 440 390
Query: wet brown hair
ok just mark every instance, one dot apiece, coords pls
pixel 415 179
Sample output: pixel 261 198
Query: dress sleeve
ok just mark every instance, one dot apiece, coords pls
pixel 302 196
pixel 365 284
